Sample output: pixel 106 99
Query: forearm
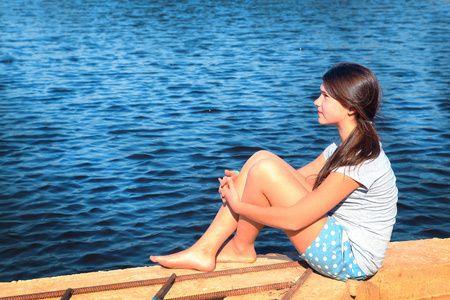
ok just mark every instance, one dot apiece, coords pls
pixel 304 212
pixel 280 217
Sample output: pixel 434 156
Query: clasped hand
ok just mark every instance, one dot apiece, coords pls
pixel 227 191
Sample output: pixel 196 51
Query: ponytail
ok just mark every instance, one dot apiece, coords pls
pixel 361 145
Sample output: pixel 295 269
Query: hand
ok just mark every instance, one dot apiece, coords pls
pixel 231 174
pixel 228 192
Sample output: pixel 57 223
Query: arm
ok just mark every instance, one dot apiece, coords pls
pixel 307 210
pixel 313 167
pixel 310 171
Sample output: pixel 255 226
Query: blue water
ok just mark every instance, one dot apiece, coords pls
pixel 117 117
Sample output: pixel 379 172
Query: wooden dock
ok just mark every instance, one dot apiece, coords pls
pixel 412 270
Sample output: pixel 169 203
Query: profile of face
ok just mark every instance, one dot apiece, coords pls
pixel 330 110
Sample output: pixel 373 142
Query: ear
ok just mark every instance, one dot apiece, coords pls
pixel 351 112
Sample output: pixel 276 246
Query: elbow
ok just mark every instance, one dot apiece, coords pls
pixel 295 225
pixel 292 228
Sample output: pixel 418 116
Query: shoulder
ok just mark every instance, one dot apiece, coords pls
pixel 331 148
pixel 370 170
pixel 378 164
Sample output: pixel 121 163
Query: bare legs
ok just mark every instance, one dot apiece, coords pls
pixel 265 180
pixel 202 255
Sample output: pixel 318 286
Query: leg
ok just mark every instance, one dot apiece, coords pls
pixel 202 255
pixel 270 182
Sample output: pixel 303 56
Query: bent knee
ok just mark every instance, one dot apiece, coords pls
pixel 266 165
pixel 263 154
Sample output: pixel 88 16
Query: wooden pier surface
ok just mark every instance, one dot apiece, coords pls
pixel 412 270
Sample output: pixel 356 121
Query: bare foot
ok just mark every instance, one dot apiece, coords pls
pixel 230 253
pixel 187 259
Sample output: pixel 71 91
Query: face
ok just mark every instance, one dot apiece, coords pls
pixel 330 111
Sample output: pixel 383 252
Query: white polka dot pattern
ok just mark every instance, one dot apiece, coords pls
pixel 331 255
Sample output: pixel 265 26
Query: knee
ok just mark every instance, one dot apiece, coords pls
pixel 262 154
pixel 264 166
pixel 261 162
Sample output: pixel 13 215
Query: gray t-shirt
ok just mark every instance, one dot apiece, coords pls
pixel 368 213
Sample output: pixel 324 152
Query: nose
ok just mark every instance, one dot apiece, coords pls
pixel 318 101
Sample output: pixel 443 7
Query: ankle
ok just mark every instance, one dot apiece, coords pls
pixel 242 248
pixel 202 250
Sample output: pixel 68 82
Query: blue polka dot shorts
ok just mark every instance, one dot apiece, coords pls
pixel 331 254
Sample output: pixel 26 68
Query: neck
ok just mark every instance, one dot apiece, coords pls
pixel 345 130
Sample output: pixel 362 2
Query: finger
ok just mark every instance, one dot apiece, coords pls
pixel 222 182
pixel 231 174
pixel 230 183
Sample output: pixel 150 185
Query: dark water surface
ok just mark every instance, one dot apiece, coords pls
pixel 118 116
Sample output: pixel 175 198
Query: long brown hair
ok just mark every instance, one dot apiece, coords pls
pixel 356 88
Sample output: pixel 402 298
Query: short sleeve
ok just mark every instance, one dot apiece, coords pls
pixel 367 172
pixel 329 150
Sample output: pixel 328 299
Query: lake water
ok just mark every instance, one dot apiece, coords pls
pixel 117 117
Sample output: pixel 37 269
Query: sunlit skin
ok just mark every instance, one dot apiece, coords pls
pixel 270 192
pixel 331 112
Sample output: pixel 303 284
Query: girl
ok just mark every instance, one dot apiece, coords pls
pixel 338 211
